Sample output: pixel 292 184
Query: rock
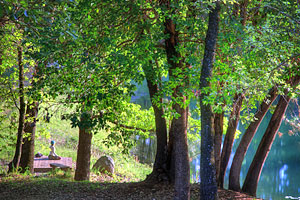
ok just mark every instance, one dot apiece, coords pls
pixel 60 166
pixel 105 164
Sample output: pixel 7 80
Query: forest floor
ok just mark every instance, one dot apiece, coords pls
pixel 42 188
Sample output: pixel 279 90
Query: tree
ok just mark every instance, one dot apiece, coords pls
pixel 102 74
pixel 287 54
pixel 32 107
pixel 25 19
pixel 82 171
pixel 229 137
pixel 27 156
pixel 160 171
pixel 14 164
pixel 179 124
pixel 207 164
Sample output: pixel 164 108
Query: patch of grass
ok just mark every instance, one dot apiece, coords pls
pixel 133 170
pixel 60 174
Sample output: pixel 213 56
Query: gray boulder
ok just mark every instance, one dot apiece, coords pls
pixel 105 164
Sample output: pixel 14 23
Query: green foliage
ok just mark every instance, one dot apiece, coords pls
pixel 8 127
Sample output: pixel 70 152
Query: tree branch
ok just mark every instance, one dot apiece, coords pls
pixel 132 127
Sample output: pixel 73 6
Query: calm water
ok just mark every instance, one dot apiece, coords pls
pixel 280 178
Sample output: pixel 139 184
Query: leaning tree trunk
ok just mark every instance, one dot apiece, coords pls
pixel 208 185
pixel 82 171
pixel 218 127
pixel 27 157
pixel 253 175
pixel 234 176
pixel 160 172
pixel 16 160
pixel 229 137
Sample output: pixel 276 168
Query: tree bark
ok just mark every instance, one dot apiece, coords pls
pixel 16 160
pixel 253 175
pixel 218 127
pixel 82 171
pixel 208 185
pixel 229 137
pixel 27 157
pixel 160 172
pixel 234 176
pixel 182 167
pixel 171 154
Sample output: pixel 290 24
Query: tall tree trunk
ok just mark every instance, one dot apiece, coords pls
pixel 160 172
pixel 82 171
pixel 208 185
pixel 253 175
pixel 229 137
pixel 27 157
pixel 234 176
pixel 218 127
pixel 16 160
pixel 179 125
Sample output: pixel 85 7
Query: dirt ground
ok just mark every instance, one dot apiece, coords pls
pixel 40 189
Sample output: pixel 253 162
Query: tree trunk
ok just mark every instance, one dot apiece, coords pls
pixel 253 175
pixel 82 171
pixel 160 172
pixel 229 137
pixel 182 167
pixel 16 160
pixel 264 147
pixel 234 176
pixel 179 125
pixel 27 157
pixel 218 127
pixel 208 185
pixel 171 154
